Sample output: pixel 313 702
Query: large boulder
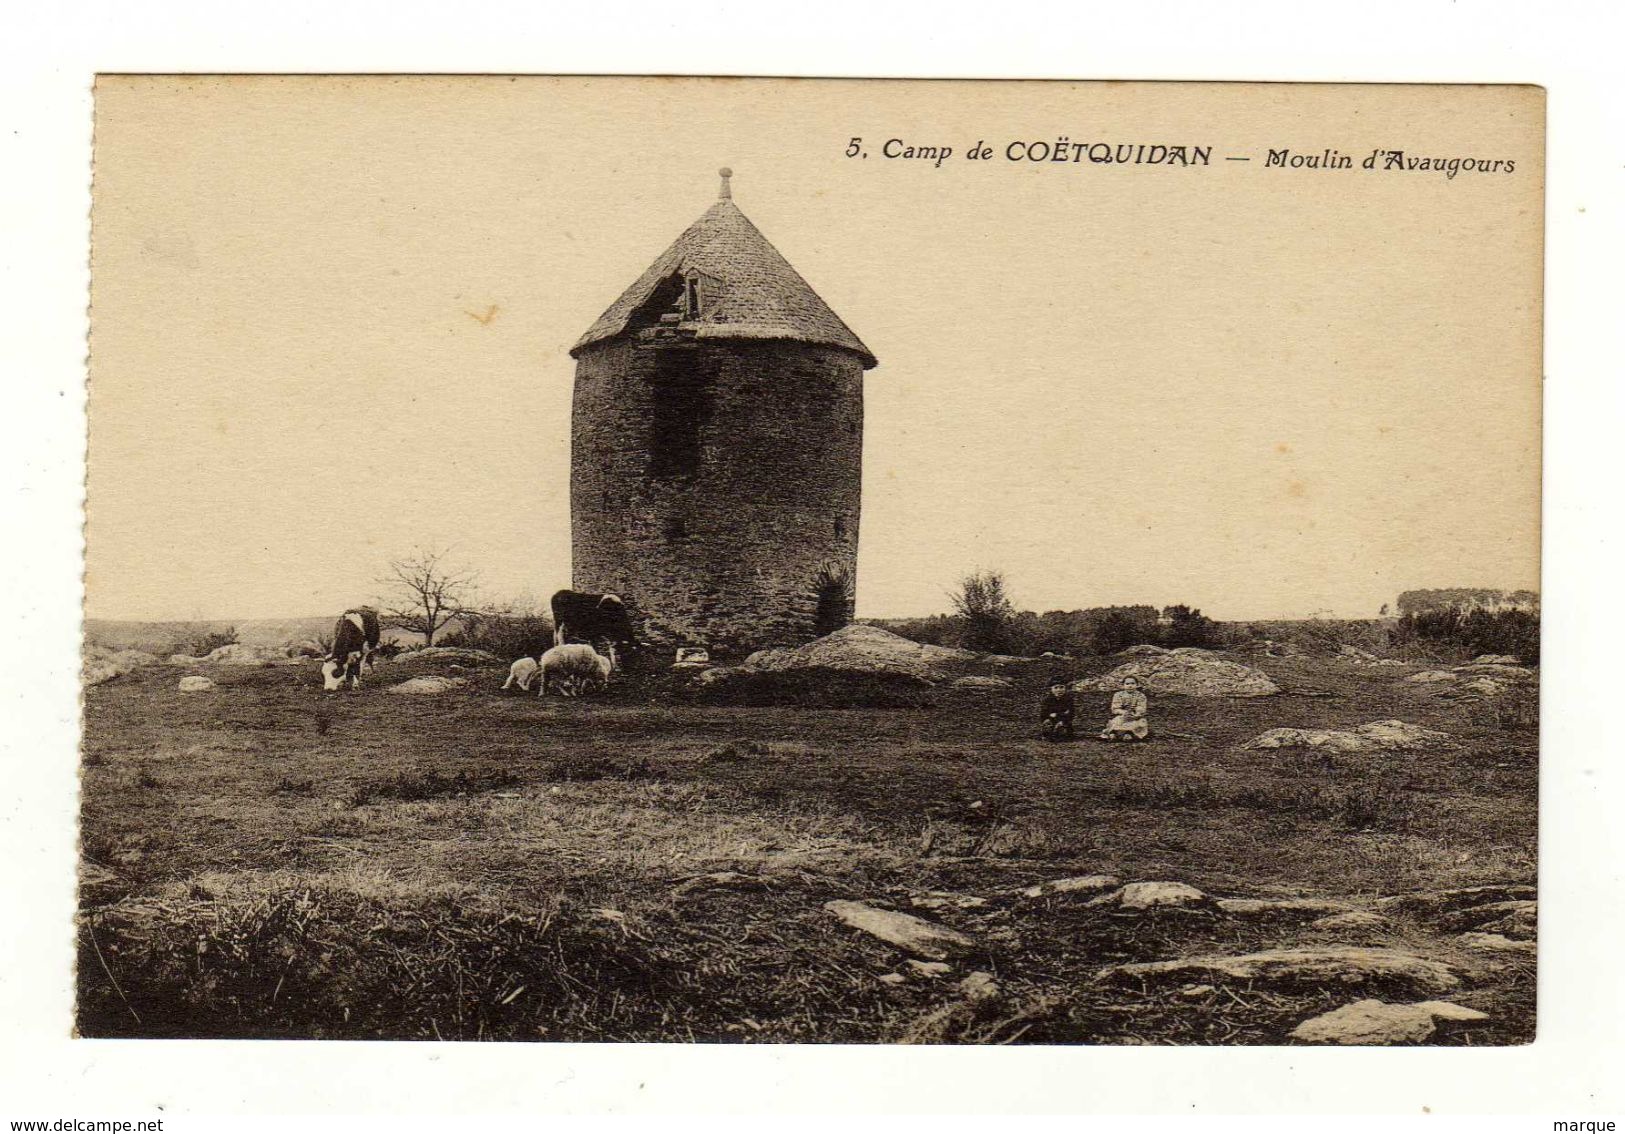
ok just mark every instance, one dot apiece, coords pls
pixel 1374 1023
pixel 195 684
pixel 861 649
pixel 1377 736
pixel 1193 675
pixel 1143 650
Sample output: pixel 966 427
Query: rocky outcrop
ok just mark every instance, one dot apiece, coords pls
pixel 1153 895
pixel 1085 885
pixel 451 654
pixel 1497 943
pixel 102 664
pixel 429 686
pixel 1432 904
pixel 1266 907
pixel 1337 966
pixel 862 649
pixel 1190 675
pixel 1374 1023
pixel 978 682
pixel 238 653
pixel 1351 921
pixel 924 939
pixel 1504 672
pixel 1377 736
pixel 1515 912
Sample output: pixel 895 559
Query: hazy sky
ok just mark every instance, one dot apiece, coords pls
pixel 331 318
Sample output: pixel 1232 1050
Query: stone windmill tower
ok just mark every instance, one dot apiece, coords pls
pixel 717 446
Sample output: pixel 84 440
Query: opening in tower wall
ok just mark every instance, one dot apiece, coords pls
pixel 680 384
pixel 833 586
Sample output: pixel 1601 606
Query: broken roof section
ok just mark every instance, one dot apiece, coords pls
pixel 749 290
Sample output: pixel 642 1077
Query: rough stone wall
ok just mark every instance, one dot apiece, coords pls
pixel 710 480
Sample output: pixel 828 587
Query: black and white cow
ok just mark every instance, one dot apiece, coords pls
pixel 355 640
pixel 597 620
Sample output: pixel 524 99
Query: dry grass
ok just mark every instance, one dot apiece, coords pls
pixel 287 863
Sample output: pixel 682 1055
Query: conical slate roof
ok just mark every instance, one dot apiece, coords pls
pixel 752 292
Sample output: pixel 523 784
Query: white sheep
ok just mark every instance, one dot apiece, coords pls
pixel 521 673
pixel 576 668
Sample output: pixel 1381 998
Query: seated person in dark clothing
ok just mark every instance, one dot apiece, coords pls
pixel 1056 711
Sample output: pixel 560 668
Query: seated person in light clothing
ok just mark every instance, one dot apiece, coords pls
pixel 1129 708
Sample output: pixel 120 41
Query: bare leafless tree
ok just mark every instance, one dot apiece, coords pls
pixel 423 592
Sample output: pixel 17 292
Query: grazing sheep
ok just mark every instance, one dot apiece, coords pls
pixel 521 673
pixel 576 668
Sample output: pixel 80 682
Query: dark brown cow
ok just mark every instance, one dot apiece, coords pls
pixel 592 619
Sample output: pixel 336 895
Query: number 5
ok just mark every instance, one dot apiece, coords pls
pixel 854 148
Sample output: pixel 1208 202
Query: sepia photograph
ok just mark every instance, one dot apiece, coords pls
pixel 812 561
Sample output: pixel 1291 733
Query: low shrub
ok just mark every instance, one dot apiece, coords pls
pixel 507 636
pixel 1326 636
pixel 1475 630
pixel 1517 709
pixel 203 642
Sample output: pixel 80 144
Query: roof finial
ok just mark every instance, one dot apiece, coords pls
pixel 725 193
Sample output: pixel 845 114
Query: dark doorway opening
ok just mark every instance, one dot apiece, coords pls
pixel 833 586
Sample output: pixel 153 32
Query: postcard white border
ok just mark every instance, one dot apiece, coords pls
pixel 53 53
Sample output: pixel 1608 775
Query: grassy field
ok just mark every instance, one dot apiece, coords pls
pixel 268 860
